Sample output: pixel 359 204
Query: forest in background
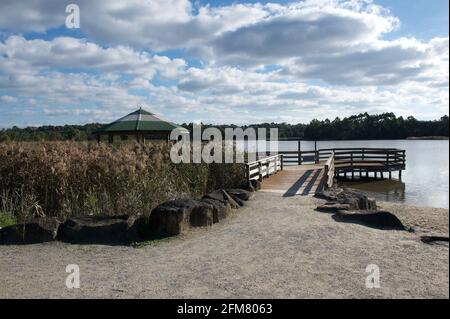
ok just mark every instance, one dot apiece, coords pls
pixel 357 127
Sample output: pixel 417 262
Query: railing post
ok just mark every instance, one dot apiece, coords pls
pixel 260 171
pixel 299 153
pixel 281 163
pixel 351 165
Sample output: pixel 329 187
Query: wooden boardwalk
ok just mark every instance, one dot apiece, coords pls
pixel 296 180
pixel 328 165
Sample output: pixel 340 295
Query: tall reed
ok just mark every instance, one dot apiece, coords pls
pixel 78 178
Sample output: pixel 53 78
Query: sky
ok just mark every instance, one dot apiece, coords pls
pixel 222 61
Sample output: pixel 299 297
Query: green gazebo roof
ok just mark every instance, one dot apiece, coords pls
pixel 140 121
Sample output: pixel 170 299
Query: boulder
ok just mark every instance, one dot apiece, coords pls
pixel 223 196
pixel 35 231
pixel 332 207
pixel 248 186
pixel 256 184
pixel 221 210
pixel 355 199
pixel 174 217
pixel 329 194
pixel 239 193
pixel 140 229
pixel 99 229
pixel 239 201
pixel 435 240
pixel 374 219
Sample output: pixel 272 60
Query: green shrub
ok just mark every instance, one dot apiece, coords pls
pixel 6 220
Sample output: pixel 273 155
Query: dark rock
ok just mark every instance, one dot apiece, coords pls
pixel 374 219
pixel 332 207
pixel 434 240
pixel 35 231
pixel 221 210
pixel 249 187
pixel 174 217
pixel 202 216
pixel 99 229
pixel 355 199
pixel 256 184
pixel 239 193
pixel 239 201
pixel 217 195
pixel 141 229
pixel 329 194
pixel 223 196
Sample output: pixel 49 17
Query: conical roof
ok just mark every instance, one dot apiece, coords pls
pixel 140 121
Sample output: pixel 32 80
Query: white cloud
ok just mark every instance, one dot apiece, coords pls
pixel 71 53
pixel 8 99
pixel 156 24
pixel 258 62
pixel 382 63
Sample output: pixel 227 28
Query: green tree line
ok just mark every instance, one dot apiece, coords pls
pixel 362 126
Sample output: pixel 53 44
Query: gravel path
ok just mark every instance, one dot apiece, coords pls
pixel 273 248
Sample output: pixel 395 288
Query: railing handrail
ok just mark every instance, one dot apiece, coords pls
pixel 264 159
pixel 329 170
pixel 368 153
pixel 264 167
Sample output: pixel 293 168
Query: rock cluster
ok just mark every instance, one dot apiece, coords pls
pixel 351 206
pixel 350 198
pixel 168 219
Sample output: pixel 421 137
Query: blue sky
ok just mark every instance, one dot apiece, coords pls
pixel 222 61
pixel 424 19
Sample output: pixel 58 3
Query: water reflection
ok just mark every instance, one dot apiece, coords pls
pixel 426 176
pixel 383 190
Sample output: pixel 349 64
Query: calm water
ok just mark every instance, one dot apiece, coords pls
pixel 424 182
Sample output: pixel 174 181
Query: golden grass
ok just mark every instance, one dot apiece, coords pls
pixel 76 178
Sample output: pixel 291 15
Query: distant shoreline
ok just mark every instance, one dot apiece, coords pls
pixel 437 138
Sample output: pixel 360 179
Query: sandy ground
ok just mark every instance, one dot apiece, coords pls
pixel 423 220
pixel 273 248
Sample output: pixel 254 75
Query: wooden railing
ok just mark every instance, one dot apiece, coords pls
pixel 391 156
pixel 383 157
pixel 329 171
pixel 264 167
pixel 361 160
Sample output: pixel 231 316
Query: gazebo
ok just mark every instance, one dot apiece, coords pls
pixel 141 124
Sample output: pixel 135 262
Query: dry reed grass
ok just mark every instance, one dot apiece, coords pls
pixel 77 178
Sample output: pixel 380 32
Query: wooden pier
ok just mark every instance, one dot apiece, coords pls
pixel 312 171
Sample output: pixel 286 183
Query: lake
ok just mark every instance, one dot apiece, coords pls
pixel 425 182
